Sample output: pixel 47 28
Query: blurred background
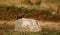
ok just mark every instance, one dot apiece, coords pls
pixel 46 11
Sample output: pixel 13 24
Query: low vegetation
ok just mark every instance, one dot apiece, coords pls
pixel 44 31
pixel 11 12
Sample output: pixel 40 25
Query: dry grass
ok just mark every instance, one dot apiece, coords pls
pixel 51 25
pixel 48 28
pixel 47 24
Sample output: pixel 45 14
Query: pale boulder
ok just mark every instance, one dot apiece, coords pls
pixel 26 24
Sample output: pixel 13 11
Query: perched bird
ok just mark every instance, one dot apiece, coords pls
pixel 21 15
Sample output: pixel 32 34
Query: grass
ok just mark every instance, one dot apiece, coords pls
pixel 6 29
pixel 11 13
pixel 44 31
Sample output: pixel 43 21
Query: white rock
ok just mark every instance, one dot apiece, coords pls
pixel 26 24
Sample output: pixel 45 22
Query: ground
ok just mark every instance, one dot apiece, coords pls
pixel 48 28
